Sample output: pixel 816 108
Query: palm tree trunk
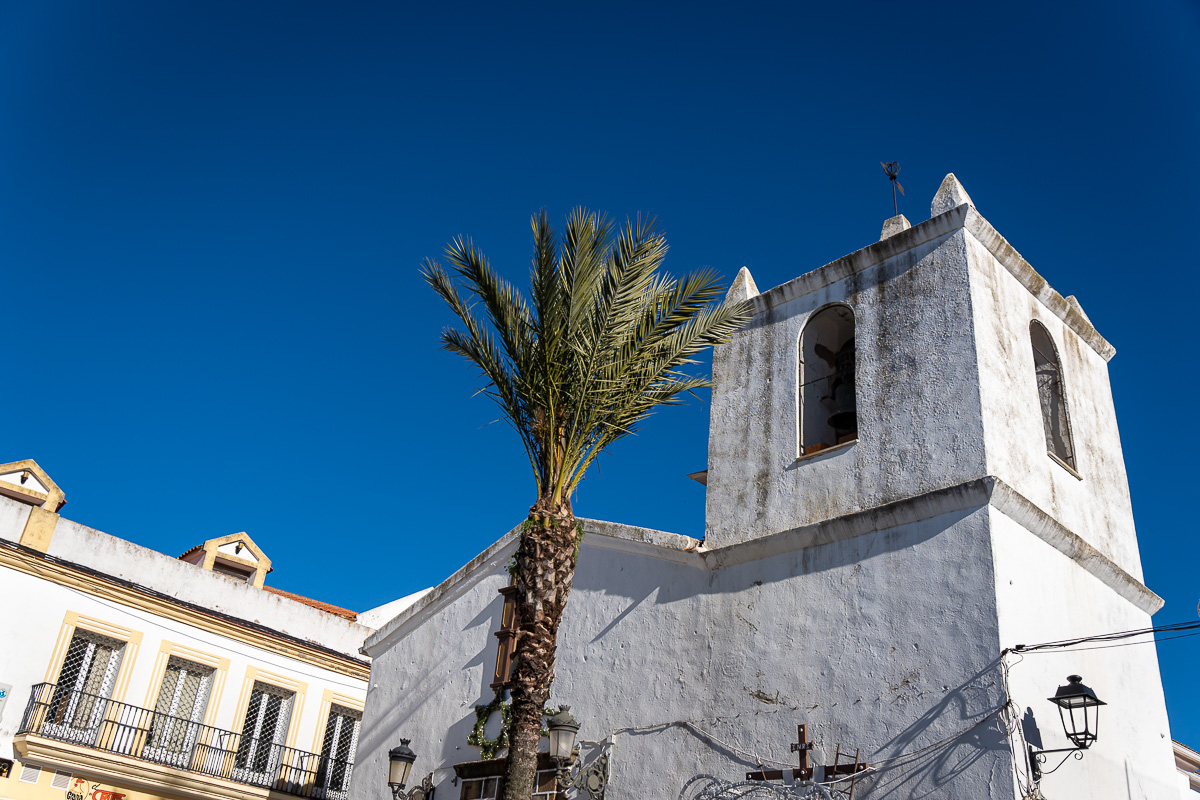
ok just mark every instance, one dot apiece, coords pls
pixel 545 569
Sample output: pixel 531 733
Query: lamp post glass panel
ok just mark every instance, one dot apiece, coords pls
pixel 1079 709
pixel 563 728
pixel 400 761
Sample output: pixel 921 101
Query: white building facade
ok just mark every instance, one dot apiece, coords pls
pixel 914 467
pixel 134 674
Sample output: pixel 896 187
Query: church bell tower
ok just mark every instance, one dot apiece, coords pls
pixel 931 397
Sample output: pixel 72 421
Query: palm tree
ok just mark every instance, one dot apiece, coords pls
pixel 603 338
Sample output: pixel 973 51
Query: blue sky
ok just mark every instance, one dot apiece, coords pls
pixel 212 215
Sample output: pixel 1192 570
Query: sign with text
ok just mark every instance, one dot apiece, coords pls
pixel 5 691
pixel 80 790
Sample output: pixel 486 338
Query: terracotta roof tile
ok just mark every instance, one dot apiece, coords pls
pixel 317 604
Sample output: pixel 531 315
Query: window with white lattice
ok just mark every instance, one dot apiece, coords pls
pixel 85 683
pixel 338 749
pixel 182 701
pixel 264 731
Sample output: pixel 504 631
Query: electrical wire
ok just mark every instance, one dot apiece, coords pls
pixel 1107 637
pixel 694 725
pixel 1130 644
pixel 907 758
pixel 755 758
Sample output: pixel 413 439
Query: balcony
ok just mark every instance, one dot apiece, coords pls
pixel 97 723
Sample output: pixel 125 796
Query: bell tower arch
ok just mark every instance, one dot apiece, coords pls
pixel 826 403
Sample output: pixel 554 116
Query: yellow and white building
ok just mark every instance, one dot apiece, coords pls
pixel 129 674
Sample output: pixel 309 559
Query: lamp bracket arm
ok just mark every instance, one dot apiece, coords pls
pixel 592 778
pixel 1040 755
pixel 423 791
pixel 1059 750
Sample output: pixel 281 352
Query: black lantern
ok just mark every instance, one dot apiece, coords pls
pixel 1079 709
pixel 563 728
pixel 400 761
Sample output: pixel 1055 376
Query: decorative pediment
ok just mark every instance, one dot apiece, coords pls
pixel 241 550
pixel 235 556
pixel 26 482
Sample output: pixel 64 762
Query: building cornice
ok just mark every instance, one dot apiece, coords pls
pixel 97 584
pixel 986 491
pixel 597 533
pixel 445 593
pixel 969 495
pixel 1025 512
pixel 1187 761
pixel 133 772
pixel 963 217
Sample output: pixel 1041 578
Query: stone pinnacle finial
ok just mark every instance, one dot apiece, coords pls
pixel 743 287
pixel 950 194
pixel 893 226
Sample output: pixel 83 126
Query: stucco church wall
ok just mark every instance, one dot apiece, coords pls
pixel 915 370
pixel 883 641
pixel 437 667
pixel 1043 596
pixel 1098 507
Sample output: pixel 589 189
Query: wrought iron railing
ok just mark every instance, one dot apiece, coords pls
pixel 89 720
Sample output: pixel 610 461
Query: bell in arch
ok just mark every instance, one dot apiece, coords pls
pixel 841 390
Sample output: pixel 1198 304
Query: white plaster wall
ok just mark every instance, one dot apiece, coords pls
pixel 37 609
pixel 1097 508
pixel 920 424
pixel 883 642
pixel 13 516
pixel 179 579
pixel 1043 596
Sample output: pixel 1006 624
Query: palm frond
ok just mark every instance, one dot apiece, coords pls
pixel 605 337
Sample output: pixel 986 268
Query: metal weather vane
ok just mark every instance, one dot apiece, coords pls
pixel 892 168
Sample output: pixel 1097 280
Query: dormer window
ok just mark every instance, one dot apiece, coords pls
pixel 224 567
pixel 235 556
pixel 828 402
pixel 1052 396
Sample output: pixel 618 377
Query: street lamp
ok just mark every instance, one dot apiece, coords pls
pixel 563 728
pixel 570 772
pixel 1079 710
pixel 400 761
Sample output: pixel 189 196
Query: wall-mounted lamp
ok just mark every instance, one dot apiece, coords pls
pixel 1079 710
pixel 400 761
pixel 571 774
pixel 563 727
pixel 24 476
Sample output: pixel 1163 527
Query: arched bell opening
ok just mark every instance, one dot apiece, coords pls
pixel 1052 396
pixel 828 401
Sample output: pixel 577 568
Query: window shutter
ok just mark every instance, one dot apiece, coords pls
pixel 506 634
